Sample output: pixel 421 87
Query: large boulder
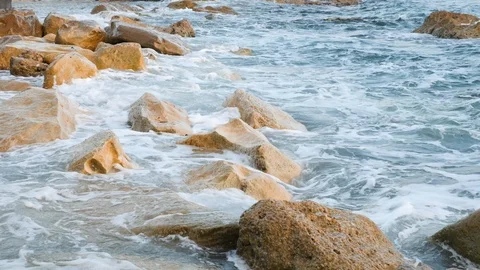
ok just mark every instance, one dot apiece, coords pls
pixel 123 56
pixel 446 24
pixel 26 67
pixel 100 154
pixel 35 116
pixel 20 22
pixel 14 46
pixel 305 235
pixel 149 113
pixel 84 34
pixel 184 4
pixel 54 21
pixel 224 174
pixel 115 7
pixel 463 237
pixel 258 113
pixel 240 137
pixel 10 85
pixel 214 10
pixel 67 67
pixel 147 38
pixel 337 3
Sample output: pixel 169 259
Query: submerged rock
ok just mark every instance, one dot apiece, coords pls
pixel 99 154
pixel 244 52
pixel 446 24
pixel 35 116
pixel 238 136
pixel 123 56
pixel 20 22
pixel 84 34
pixel 149 113
pixel 319 2
pixel 10 85
pixel 67 67
pixel 54 21
pixel 463 237
pixel 214 10
pixel 305 235
pixel 224 175
pixel 258 113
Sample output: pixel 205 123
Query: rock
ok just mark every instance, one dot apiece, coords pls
pixel 123 56
pixel 149 113
pixel 84 34
pixel 240 137
pixel 35 116
pixel 128 20
pixel 67 67
pixel 463 237
pixel 258 113
pixel 222 9
pixel 182 28
pixel 50 38
pixel 224 174
pixel 446 24
pixel 26 67
pixel 10 85
pixel 99 154
pixel 182 4
pixel 49 51
pixel 319 2
pixel 147 38
pixel 54 21
pixel 305 235
pixel 115 7
pixel 244 52
pixel 19 22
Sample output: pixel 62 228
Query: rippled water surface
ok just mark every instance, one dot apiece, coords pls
pixel 393 120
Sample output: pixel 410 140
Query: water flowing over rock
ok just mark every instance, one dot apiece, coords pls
pixel 446 24
pixel 238 136
pixel 84 34
pixel 115 7
pixel 186 4
pixel 123 56
pixel 463 237
pixel 147 38
pixel 35 116
pixel 67 67
pixel 100 154
pixel 20 22
pixel 225 174
pixel 319 2
pixel 258 113
pixel 149 113
pixel 305 235
pixel 54 21
pixel 10 85
pixel 214 10
pixel 244 52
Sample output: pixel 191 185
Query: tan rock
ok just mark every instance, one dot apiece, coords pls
pixel 84 34
pixel 147 38
pixel 123 56
pixel 26 67
pixel 149 113
pixel 224 175
pixel 19 22
pixel 446 24
pixel 244 52
pixel 50 38
pixel 35 116
pixel 221 9
pixel 14 47
pixel 305 235
pixel 258 113
pixel 115 7
pixel 182 28
pixel 67 67
pixel 54 21
pixel 185 4
pixel 240 137
pixel 128 20
pixel 99 154
pixel 319 2
pixel 10 85
pixel 463 237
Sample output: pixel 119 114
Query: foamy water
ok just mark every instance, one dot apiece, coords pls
pixel 392 119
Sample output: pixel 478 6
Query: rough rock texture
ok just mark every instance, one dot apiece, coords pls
pixel 26 67
pixel 147 38
pixel 67 67
pixel 224 174
pixel 149 113
pixel 446 24
pixel 123 56
pixel 221 9
pixel 244 52
pixel 19 22
pixel 54 21
pixel 10 85
pixel 258 113
pixel 115 7
pixel 238 136
pixel 305 235
pixel 182 28
pixel 463 237
pixel 50 38
pixel 319 2
pixel 99 154
pixel 84 34
pixel 182 4
pixel 35 116
pixel 14 46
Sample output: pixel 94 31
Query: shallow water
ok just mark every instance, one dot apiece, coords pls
pixel 393 120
